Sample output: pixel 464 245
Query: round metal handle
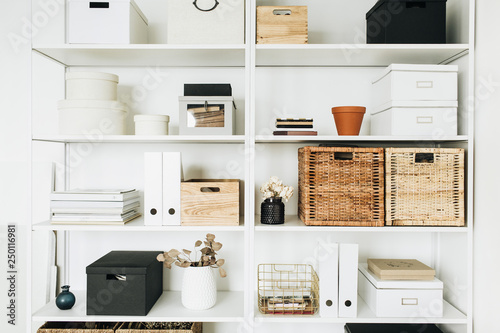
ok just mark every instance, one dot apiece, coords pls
pixel 205 10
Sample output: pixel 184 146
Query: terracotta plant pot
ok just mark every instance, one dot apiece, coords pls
pixel 348 119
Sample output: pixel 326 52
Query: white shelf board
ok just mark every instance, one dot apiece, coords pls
pixel 450 316
pixel 360 138
pixel 143 138
pixel 135 225
pixel 356 54
pixel 293 223
pixel 134 55
pixel 229 308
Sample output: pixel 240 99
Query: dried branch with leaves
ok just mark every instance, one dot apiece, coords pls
pixel 207 256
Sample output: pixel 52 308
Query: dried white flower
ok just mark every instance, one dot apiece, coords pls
pixel 274 188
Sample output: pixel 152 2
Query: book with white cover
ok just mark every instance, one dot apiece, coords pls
pixel 348 280
pixel 74 204
pixel 153 188
pixel 172 177
pixel 328 273
pixel 105 222
pixel 95 195
pixel 98 210
pixel 94 217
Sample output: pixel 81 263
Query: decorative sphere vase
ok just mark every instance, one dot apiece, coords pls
pixel 66 299
pixel 199 291
pixel 272 211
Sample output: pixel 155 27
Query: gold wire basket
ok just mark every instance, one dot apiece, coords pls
pixel 288 289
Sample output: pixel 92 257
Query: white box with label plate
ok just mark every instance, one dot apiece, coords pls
pixel 423 118
pixel 400 298
pixel 400 82
pixel 206 115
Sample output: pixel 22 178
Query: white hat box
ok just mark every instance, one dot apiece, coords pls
pixel 423 118
pixel 151 124
pixel 206 115
pixel 80 117
pixel 400 298
pixel 91 85
pixel 205 22
pixel 399 82
pixel 106 22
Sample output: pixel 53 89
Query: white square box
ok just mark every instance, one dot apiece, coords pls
pixel 400 82
pixel 424 118
pixel 400 298
pixel 206 115
pixel 106 22
pixel 206 22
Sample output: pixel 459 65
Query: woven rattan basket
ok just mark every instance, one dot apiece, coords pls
pixel 341 186
pixel 77 327
pixel 141 328
pixel 424 186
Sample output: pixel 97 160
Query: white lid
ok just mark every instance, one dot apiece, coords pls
pixel 91 104
pixel 92 75
pixel 399 284
pixel 151 117
pixel 416 68
pixel 132 2
pixel 415 104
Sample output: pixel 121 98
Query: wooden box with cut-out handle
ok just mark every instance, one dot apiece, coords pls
pixel 282 25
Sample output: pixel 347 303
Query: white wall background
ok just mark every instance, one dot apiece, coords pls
pixel 15 154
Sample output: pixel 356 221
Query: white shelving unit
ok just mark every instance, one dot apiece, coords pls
pixel 268 81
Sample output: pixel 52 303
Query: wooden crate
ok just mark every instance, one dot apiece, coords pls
pixel 141 328
pixel 424 186
pixel 341 186
pixel 78 327
pixel 273 27
pixel 210 202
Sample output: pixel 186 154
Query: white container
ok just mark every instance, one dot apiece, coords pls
pixel 151 124
pixel 91 85
pixel 110 22
pixel 86 117
pixel 199 291
pixel 415 118
pixel 191 22
pixel 206 115
pixel 400 298
pixel 416 83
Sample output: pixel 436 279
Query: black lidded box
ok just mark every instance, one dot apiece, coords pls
pixel 124 283
pixel 391 328
pixel 207 89
pixel 407 22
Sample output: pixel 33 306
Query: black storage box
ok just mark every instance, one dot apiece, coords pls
pixel 207 89
pixel 407 22
pixel 124 283
pixel 391 328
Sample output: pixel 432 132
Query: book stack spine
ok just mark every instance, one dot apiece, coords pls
pixel 294 126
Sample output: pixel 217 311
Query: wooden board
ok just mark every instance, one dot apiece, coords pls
pixel 273 28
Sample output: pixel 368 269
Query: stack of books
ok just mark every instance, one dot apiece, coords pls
pixel 400 269
pixel 94 206
pixel 294 126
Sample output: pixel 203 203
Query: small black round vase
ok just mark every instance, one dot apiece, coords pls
pixel 272 211
pixel 65 300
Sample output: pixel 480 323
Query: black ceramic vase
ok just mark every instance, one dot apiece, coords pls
pixel 65 300
pixel 272 211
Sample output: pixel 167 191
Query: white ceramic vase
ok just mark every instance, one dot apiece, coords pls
pixel 199 291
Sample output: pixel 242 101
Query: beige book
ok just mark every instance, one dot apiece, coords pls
pixel 400 269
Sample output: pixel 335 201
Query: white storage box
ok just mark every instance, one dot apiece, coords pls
pixel 416 83
pixel 106 22
pixel 206 22
pixel 151 124
pixel 415 118
pixel 206 115
pixel 400 298
pixel 81 117
pixel 91 85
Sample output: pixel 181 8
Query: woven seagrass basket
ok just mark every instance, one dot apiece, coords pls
pixel 157 328
pixel 78 327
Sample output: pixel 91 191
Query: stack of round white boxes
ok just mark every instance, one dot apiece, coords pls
pixel 91 105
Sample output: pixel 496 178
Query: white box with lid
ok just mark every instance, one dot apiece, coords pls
pixel 400 298
pixel 400 82
pixel 106 22
pixel 91 85
pixel 206 115
pixel 424 118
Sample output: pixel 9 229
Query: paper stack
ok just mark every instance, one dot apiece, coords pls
pixel 94 206
pixel 294 126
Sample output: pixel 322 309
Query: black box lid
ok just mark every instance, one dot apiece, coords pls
pixel 124 262
pixel 391 328
pixel 207 89
pixel 381 2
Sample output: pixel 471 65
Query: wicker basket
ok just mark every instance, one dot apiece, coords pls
pixel 288 289
pixel 424 186
pixel 341 186
pixel 141 328
pixel 78 327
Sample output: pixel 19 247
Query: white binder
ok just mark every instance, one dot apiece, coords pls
pixel 328 271
pixel 172 177
pixel 348 280
pixel 153 188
